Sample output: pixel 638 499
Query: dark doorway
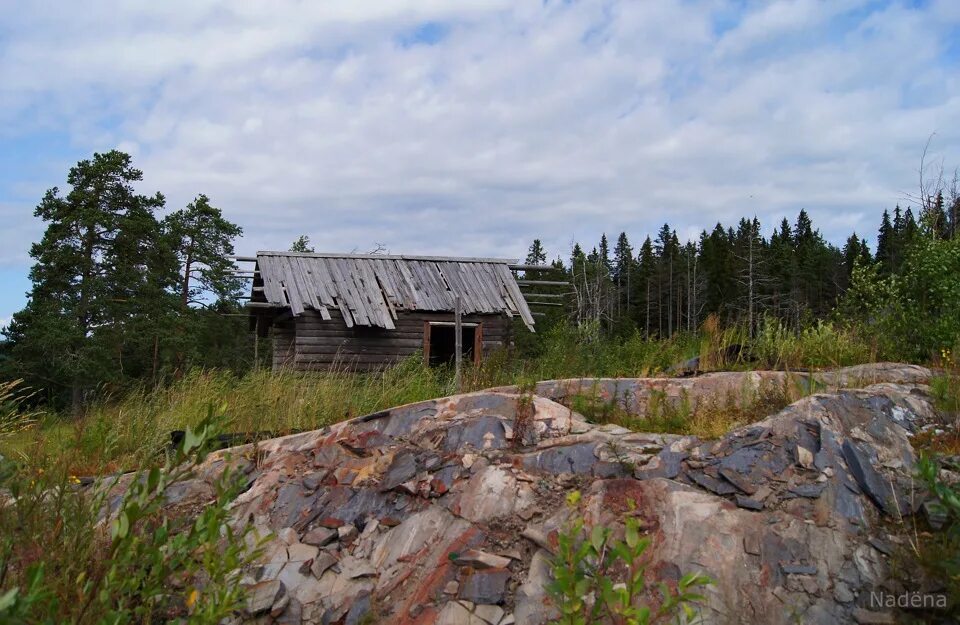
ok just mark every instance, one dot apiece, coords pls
pixel 441 342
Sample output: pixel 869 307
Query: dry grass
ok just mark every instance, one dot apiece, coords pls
pixel 131 431
pixel 708 418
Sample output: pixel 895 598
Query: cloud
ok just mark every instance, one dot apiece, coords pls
pixel 473 127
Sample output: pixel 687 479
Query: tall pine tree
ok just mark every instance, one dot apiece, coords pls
pixel 97 266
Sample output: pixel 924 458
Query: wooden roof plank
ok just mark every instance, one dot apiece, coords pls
pixel 375 296
pixel 371 289
pixel 519 302
pixel 342 298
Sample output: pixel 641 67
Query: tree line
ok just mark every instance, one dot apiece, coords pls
pixel 736 273
pixel 124 294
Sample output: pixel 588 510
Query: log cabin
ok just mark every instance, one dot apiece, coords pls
pixel 363 312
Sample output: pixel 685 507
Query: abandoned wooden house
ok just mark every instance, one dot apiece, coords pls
pixel 366 311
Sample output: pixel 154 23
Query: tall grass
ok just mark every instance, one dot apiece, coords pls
pixel 129 431
pixel 14 417
pixel 123 433
pixel 821 345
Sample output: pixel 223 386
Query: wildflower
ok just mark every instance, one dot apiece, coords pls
pixel 192 598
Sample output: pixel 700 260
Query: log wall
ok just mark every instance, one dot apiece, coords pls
pixel 312 343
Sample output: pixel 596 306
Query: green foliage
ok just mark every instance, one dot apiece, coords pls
pixel 709 418
pixel 126 431
pixel 568 351
pixel 819 345
pixel 302 245
pixel 103 310
pixel 946 392
pixel 600 579
pixel 98 268
pixel 60 564
pixel 202 241
pixel 941 555
pixel 914 310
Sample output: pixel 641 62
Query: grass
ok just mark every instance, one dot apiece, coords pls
pixel 131 431
pixel 945 389
pixel 709 418
pixel 128 431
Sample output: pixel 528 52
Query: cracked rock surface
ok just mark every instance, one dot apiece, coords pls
pixel 447 511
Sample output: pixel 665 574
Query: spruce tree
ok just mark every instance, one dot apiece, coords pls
pixel 622 273
pixel 646 277
pixel 536 255
pixel 887 242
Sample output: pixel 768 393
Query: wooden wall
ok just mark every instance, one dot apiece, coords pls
pixel 308 342
pixel 283 344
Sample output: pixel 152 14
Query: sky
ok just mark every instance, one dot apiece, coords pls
pixel 470 127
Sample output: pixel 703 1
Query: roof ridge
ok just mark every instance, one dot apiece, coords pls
pixel 449 259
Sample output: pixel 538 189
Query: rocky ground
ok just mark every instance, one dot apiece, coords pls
pixel 447 511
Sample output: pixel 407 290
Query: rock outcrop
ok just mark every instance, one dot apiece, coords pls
pixel 447 511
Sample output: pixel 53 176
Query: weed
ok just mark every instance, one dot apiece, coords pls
pixel 939 552
pixel 60 562
pixel 598 578
pixel 13 417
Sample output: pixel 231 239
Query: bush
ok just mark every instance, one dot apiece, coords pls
pixel 600 579
pixel 61 563
pixel 821 345
pixel 940 554
pixel 913 312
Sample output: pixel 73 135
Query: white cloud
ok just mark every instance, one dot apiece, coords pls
pixel 526 119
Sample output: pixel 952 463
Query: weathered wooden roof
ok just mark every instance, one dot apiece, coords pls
pixel 369 289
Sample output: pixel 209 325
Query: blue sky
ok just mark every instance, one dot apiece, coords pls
pixel 472 127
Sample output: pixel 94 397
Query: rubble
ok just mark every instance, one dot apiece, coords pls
pixel 433 513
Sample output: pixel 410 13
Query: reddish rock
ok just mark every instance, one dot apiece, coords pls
pixel 473 492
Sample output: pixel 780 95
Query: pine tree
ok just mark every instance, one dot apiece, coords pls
pixel 96 266
pixel 910 232
pixel 783 273
pixel 646 276
pixel 604 255
pixel 666 247
pixel 855 252
pixel 935 218
pixel 750 253
pixel 716 250
pixel 202 240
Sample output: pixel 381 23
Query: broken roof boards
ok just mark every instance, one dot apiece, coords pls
pixel 369 290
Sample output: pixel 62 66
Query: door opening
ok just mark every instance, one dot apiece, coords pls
pixel 439 343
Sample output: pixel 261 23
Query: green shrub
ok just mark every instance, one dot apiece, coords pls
pixel 818 346
pixel 600 579
pixel 60 563
pixel 914 312
pixel 940 554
